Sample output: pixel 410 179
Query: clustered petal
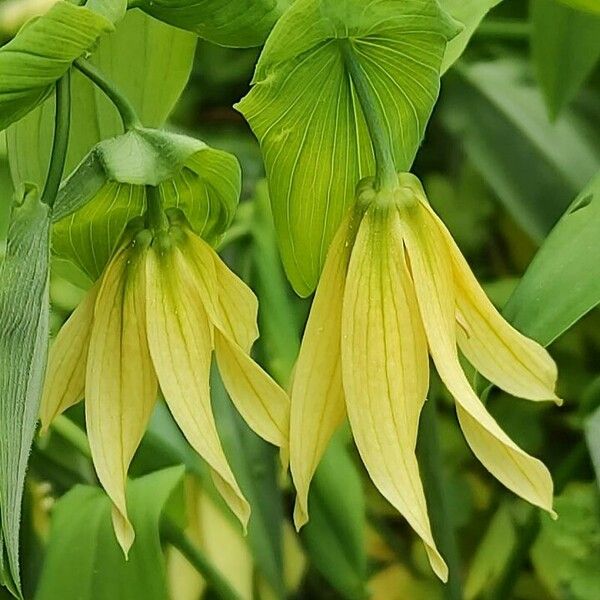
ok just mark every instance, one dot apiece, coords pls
pixel 395 290
pixel 164 304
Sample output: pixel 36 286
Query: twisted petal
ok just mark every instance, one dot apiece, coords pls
pixel 180 339
pixel 385 370
pixel 65 374
pixel 497 350
pixel 432 272
pixel 120 384
pixel 317 407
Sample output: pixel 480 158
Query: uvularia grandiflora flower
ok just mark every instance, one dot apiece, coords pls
pixel 163 305
pixel 394 291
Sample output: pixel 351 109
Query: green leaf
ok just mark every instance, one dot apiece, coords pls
pixel 335 535
pixel 469 13
pixel 24 312
pixel 304 109
pixel 234 23
pixel 150 78
pixel 107 190
pixel 592 6
pixel 592 436
pixel 83 559
pixel 536 168
pixel 566 47
pixel 568 261
pixel 41 53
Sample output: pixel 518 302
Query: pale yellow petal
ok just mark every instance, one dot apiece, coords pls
pixel 433 276
pixel 180 339
pixel 385 370
pixel 121 386
pixel 260 401
pixel 317 406
pixel 65 374
pixel 513 362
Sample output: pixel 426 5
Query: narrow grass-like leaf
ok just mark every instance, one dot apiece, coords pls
pixel 83 559
pixel 24 310
pixel 566 46
pixel 568 261
pixel 304 109
pixel 235 23
pixel 41 53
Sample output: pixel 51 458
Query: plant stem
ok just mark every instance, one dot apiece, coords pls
pixel 177 538
pixel 155 215
pixel 73 434
pixel 505 29
pixel 126 110
pixel 430 460
pixel 385 175
pixel 60 142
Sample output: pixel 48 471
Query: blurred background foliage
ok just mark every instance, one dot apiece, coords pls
pixel 514 139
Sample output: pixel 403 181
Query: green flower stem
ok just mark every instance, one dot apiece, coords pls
pixel 173 535
pixel 504 29
pixel 73 434
pixel 155 214
pixel 60 142
pixel 442 524
pixel 126 111
pixel 385 175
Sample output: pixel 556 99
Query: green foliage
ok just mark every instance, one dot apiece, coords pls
pixel 235 23
pixel 305 110
pixel 58 38
pixel 23 349
pixel 590 6
pixel 567 552
pixel 566 47
pixel 569 259
pixel 83 559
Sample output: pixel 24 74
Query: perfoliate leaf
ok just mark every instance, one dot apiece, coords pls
pixel 469 13
pixel 569 260
pixel 41 53
pixel 108 189
pixel 566 47
pixel 83 559
pixel 24 308
pixel 590 6
pixel 235 23
pixel 113 10
pixel 305 111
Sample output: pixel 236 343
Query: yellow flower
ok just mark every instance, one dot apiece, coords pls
pixel 164 303
pixel 395 290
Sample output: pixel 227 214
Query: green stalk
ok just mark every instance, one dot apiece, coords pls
pixel 60 142
pixel 156 219
pixel 73 434
pixel 430 461
pixel 173 535
pixel 385 174
pixel 126 110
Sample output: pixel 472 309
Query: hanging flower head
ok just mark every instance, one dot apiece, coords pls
pixel 394 291
pixel 164 304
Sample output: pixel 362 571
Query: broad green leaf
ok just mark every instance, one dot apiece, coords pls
pixel 566 47
pixel 469 13
pixel 108 189
pixel 113 10
pixel 235 23
pixel 150 77
pixel 24 310
pixel 304 109
pixel 83 559
pixel 536 168
pixel 41 53
pixel 335 535
pixel 592 436
pixel 563 281
pixel 591 6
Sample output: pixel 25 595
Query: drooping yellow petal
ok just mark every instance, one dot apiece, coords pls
pixel 317 406
pixel 180 339
pixel 234 303
pixel 513 362
pixel 260 401
pixel 385 369
pixel 432 273
pixel 65 374
pixel 120 386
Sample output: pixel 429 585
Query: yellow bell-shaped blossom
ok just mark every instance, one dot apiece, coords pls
pixel 395 290
pixel 163 305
